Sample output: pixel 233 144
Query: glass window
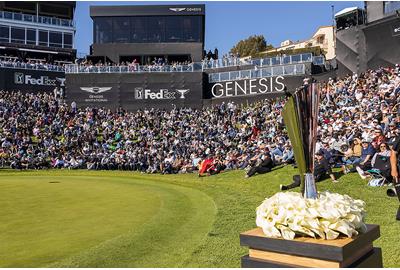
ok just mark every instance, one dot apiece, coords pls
pixel 174 29
pixel 103 30
pixel 68 40
pixel 139 33
pixel 31 36
pixel 4 33
pixel 142 29
pixel 156 29
pixel 55 39
pixel 192 28
pixel 121 29
pixel 43 38
pixel 391 6
pixel 17 35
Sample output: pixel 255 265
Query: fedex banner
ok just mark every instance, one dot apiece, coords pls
pixel 26 80
pixel 133 91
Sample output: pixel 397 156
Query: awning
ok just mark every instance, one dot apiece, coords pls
pixel 346 11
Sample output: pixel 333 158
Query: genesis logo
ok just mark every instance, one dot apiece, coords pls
pixel 141 93
pixel 396 30
pixel 96 90
pixel 177 9
pixel 189 9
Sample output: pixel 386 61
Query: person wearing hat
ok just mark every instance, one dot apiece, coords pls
pixel 322 169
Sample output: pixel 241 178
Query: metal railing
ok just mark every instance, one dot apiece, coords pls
pixel 47 67
pixel 319 60
pixel 73 68
pixel 36 19
pixel 297 69
pixel 261 62
pixel 197 66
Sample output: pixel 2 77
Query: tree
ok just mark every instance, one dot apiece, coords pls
pixel 252 46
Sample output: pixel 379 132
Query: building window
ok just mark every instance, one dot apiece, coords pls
pixel 103 30
pixel 55 39
pixel 139 31
pixel 174 29
pixel 156 29
pixel 44 38
pixel 121 30
pixel 68 40
pixel 17 35
pixel 148 29
pixel 391 6
pixel 4 33
pixel 31 36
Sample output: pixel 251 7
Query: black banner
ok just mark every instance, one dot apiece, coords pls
pixel 136 90
pixel 32 81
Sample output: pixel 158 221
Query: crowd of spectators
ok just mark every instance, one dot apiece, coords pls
pixel 157 64
pixel 9 61
pixel 359 115
pixel 227 60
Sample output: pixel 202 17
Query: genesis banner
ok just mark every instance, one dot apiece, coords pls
pixel 136 91
pixel 253 87
pixel 32 81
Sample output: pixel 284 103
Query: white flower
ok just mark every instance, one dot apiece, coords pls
pixel 289 214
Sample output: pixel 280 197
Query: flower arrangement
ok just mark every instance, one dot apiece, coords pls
pixel 287 214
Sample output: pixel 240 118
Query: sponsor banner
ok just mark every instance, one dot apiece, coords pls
pixel 253 87
pixel 30 80
pixel 185 9
pixel 136 91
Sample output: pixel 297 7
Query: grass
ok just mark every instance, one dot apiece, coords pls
pixel 125 219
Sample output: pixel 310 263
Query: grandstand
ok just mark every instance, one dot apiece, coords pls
pixel 38 31
pixel 36 41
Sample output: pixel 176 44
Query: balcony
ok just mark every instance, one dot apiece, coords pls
pixel 12 16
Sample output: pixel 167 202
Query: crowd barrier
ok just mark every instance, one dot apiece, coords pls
pixel 298 69
pixel 46 67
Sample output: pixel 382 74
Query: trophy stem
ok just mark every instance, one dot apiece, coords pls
pixel 310 189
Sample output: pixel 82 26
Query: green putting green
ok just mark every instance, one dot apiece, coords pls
pixel 124 219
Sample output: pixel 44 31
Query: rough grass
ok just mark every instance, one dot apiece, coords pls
pixel 125 219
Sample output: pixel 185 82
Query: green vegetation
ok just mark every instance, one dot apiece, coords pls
pixel 125 219
pixel 251 46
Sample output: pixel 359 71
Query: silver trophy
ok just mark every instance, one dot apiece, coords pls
pixel 300 115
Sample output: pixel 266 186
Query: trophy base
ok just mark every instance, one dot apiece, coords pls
pixel 310 252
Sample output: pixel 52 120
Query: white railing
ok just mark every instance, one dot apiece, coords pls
pixel 36 19
pixel 297 69
pixel 47 67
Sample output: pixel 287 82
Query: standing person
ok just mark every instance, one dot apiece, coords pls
pixel 321 170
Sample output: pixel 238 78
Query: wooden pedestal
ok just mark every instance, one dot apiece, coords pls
pixel 311 252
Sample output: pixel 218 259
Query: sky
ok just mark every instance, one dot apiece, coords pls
pixel 229 22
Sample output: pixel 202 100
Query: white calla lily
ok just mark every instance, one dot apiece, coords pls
pixel 289 214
